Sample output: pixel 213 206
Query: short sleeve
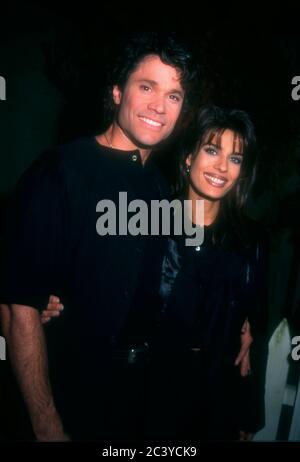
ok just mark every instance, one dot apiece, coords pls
pixel 33 262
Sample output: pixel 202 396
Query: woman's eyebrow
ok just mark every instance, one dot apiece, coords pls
pixel 217 146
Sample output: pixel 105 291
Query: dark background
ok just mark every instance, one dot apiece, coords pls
pixel 54 61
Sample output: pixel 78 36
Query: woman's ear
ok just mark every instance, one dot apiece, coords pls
pixel 117 95
pixel 188 160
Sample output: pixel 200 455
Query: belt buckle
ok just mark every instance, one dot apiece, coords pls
pixel 135 354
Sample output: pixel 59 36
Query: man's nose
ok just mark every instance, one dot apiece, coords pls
pixel 157 104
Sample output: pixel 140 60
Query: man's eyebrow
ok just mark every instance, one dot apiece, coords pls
pixel 154 84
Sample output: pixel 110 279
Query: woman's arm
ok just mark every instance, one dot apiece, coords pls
pixel 243 358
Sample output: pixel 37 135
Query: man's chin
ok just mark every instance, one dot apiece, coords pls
pixel 148 143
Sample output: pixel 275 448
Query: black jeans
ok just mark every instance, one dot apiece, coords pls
pixel 183 406
pixel 108 404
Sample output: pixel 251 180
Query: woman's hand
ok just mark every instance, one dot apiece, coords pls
pixel 246 436
pixel 243 359
pixel 52 310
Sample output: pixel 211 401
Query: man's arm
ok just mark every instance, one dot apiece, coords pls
pixel 28 354
pixel 52 310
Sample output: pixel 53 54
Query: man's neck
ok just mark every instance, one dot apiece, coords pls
pixel 115 138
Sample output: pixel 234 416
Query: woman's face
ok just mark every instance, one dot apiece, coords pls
pixel 217 166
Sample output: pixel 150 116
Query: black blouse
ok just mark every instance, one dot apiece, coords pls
pixel 208 291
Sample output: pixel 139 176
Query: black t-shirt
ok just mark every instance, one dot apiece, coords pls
pixel 54 248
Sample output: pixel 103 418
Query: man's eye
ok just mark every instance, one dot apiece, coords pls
pixel 236 160
pixel 145 88
pixel 175 98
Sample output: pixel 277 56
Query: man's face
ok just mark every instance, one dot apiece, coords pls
pixel 150 102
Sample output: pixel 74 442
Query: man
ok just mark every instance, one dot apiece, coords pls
pixel 108 283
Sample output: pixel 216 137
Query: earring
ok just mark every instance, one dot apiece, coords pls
pixel 187 169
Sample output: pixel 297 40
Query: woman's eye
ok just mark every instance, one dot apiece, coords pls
pixel 237 160
pixel 211 151
pixel 175 98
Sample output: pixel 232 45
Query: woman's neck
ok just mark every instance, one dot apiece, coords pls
pixel 211 208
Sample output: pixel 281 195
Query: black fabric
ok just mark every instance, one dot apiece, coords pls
pixel 53 248
pixel 208 293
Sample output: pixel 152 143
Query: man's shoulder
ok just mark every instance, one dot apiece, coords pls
pixel 78 153
pixel 78 156
pixel 56 165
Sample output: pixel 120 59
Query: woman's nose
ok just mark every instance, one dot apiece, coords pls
pixel 221 164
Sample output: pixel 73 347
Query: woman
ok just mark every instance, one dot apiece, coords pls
pixel 210 290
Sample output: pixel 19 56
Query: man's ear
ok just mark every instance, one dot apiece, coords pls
pixel 117 95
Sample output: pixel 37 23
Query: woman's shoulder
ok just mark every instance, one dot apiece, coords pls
pixel 255 231
pixel 255 240
pixel 244 234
